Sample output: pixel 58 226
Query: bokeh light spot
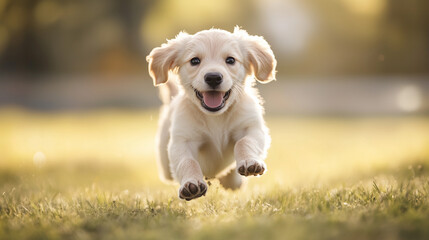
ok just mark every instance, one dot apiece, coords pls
pixel 409 98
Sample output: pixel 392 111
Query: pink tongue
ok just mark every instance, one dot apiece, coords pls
pixel 213 99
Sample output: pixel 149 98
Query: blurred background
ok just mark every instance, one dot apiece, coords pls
pixel 335 57
pixel 352 84
pixel 348 117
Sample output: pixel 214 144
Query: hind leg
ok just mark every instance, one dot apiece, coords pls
pixel 232 180
pixel 162 139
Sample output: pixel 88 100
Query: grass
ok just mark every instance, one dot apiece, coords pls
pixel 328 178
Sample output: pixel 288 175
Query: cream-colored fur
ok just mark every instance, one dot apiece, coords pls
pixel 192 142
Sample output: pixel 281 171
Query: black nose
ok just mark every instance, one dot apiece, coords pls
pixel 213 79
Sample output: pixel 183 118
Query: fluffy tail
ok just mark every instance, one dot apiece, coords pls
pixel 168 90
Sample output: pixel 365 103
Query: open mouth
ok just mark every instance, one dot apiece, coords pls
pixel 213 100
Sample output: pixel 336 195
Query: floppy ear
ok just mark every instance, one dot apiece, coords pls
pixel 165 58
pixel 260 59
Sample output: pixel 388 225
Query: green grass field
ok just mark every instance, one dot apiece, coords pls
pixel 93 176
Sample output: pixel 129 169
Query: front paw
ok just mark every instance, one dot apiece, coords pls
pixel 192 189
pixel 251 168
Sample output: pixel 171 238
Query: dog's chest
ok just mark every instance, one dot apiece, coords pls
pixel 216 152
pixel 218 134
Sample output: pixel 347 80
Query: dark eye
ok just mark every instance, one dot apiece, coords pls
pixel 195 61
pixel 230 60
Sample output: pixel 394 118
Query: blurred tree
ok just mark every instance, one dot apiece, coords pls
pixel 403 43
pixel 325 37
pixel 70 36
pixel 21 52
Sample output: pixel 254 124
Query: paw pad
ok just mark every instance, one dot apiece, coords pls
pixel 251 168
pixel 191 190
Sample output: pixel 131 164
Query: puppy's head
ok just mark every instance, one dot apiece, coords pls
pixel 213 65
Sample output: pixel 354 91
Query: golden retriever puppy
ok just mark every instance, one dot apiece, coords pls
pixel 212 114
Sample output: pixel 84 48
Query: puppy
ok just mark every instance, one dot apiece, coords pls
pixel 211 112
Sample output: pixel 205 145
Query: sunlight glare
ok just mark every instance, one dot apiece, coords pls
pixel 39 159
pixel 369 7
